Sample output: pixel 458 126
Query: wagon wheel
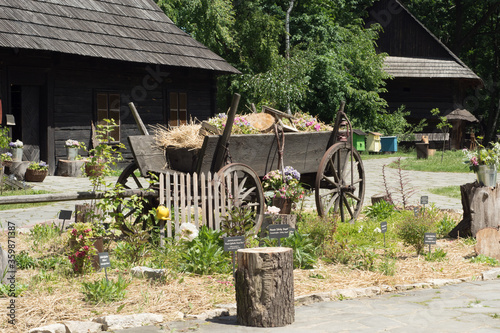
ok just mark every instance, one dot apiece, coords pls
pixel 130 213
pixel 335 190
pixel 243 188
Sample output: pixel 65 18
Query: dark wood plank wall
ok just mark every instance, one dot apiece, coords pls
pixel 72 82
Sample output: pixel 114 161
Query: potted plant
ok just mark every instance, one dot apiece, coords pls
pixel 17 150
pixel 283 190
pixel 484 162
pixel 36 171
pixel 83 247
pixel 72 147
pixel 6 159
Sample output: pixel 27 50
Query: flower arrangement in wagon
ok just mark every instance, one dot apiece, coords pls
pixel 286 186
pixel 483 156
pixel 240 124
pixel 41 166
pixel 16 144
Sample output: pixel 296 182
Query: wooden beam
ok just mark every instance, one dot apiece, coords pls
pixel 54 197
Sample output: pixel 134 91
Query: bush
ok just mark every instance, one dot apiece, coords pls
pixel 304 250
pixel 437 255
pixel 381 210
pixel 104 291
pixel 445 225
pixel 413 228
pixel 205 254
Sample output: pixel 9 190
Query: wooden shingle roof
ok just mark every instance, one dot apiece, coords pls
pixel 127 30
pixel 427 68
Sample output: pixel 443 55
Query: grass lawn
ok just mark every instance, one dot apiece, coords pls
pixel 448 191
pixel 452 161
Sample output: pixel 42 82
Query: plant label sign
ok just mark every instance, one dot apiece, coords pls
pixel 278 230
pixel 383 227
pixel 234 243
pixel 424 200
pixel 65 214
pixel 104 260
pixel 430 238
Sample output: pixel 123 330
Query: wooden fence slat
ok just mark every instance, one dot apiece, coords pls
pixel 209 199
pixel 203 189
pixel 217 209
pixel 176 204
pixel 189 204
pixel 182 190
pixel 195 199
pixel 168 186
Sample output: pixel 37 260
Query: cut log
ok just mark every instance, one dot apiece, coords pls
pixel 67 168
pixel 263 122
pixel 488 242
pixel 381 197
pixel 264 287
pixel 481 207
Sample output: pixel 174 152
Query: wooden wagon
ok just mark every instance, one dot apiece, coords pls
pixel 325 160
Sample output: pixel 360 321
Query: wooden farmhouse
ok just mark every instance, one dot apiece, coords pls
pixel 67 63
pixel 426 74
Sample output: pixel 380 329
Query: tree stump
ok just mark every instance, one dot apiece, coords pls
pixel 264 287
pixel 381 197
pixel 69 168
pixel 488 242
pixel 481 207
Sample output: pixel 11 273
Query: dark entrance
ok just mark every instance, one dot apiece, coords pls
pixel 27 108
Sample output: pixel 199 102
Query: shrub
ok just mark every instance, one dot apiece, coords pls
pixel 320 230
pixel 380 210
pixel 412 230
pixel 445 225
pixel 205 254
pixel 104 291
pixel 81 247
pixel 304 250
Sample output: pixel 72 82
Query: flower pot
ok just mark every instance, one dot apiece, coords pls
pixel 72 153
pixel 284 204
pixel 7 164
pixel 487 175
pixel 17 154
pixel 35 175
pixel 94 170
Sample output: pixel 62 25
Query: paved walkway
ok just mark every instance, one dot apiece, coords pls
pixel 420 182
pixel 460 308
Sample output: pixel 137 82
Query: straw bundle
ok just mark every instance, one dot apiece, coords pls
pixel 184 136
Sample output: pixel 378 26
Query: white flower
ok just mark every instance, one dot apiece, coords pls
pixel 273 210
pixel 360 229
pixel 188 231
pixel 377 230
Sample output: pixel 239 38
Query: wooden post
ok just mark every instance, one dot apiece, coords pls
pixel 220 153
pixel 264 287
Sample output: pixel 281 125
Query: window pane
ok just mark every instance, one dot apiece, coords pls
pixel 102 101
pixel 183 101
pixel 174 105
pixel 101 114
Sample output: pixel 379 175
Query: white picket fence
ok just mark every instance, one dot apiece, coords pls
pixel 200 199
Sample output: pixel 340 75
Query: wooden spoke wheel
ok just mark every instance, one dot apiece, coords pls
pixel 133 211
pixel 340 183
pixel 243 189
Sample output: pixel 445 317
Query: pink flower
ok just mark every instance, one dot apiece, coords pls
pixel 86 248
pixel 474 162
pixel 74 232
pixel 317 127
pixel 309 123
pixel 81 236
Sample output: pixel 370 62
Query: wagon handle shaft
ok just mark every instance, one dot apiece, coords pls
pixel 138 120
pixel 220 152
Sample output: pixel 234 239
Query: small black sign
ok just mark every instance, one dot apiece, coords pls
pixel 65 214
pixel 383 227
pixel 430 238
pixel 424 200
pixel 104 260
pixel 234 243
pixel 278 230
pixel 415 211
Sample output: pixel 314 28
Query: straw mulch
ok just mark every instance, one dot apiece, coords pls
pixel 53 298
pixel 184 136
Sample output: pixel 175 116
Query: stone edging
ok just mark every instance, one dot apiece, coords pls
pixel 113 322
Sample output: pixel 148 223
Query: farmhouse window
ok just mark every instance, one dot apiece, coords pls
pixel 108 107
pixel 178 108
